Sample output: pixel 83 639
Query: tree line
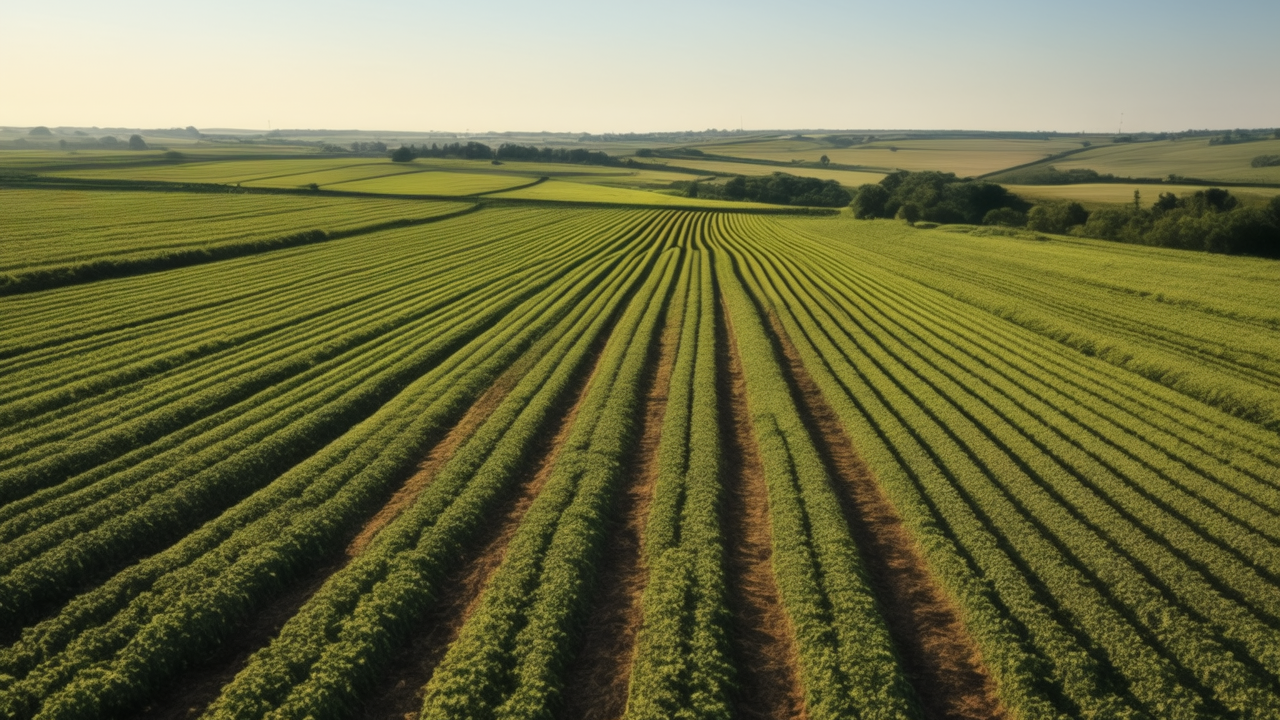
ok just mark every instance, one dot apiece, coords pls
pixel 940 198
pixel 777 189
pixel 1213 220
pixel 506 151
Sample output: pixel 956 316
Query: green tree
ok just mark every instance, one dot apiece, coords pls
pixel 824 160
pixel 402 154
pixel 137 143
pixel 1005 217
pixel 909 212
pixel 869 202
pixel 736 188
pixel 39 131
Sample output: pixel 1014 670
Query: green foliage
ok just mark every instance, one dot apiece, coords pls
pixel 869 202
pixel 1006 217
pixel 1262 161
pixel 1058 217
pixel 509 657
pixel 402 154
pixel 682 664
pixel 846 658
pixel 1045 536
pixel 137 143
pixel 1053 176
pixel 937 197
pixel 1211 220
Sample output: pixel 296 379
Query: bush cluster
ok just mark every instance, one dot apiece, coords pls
pixel 506 151
pixel 938 197
pixel 777 188
pixel 1211 220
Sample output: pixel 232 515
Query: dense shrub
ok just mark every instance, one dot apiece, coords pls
pixel 1056 217
pixel 1211 220
pixel 1266 160
pixel 777 188
pixel 940 197
pixel 1007 217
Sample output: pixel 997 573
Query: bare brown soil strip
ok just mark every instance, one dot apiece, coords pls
pixel 195 689
pixel 597 680
pixel 939 656
pixel 400 695
pixel 764 644
pixel 439 455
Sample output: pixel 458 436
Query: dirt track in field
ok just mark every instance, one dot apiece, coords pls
pixel 409 491
pixel 596 682
pixel 201 685
pixel 761 634
pixel 939 656
pixel 400 695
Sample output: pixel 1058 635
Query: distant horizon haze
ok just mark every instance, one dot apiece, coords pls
pixel 572 66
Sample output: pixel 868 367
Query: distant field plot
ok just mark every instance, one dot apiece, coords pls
pixel 967 157
pixel 582 192
pixel 433 183
pixel 304 176
pixel 1122 193
pixel 285 172
pixel 633 178
pixel 847 178
pixel 1192 157
pixel 54 160
pixel 50 238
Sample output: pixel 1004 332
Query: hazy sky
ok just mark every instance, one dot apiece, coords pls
pixel 619 67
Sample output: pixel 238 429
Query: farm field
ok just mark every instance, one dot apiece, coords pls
pixel 964 157
pixel 55 237
pixel 847 178
pixel 515 457
pixel 1099 194
pixel 1191 157
pixel 569 191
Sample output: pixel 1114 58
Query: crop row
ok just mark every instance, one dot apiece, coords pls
pixel 140 507
pixel 1118 534
pixel 509 657
pixel 682 666
pixel 344 638
pixel 847 661
pixel 146 622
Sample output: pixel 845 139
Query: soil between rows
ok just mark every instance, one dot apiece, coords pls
pixel 400 695
pixel 940 658
pixel 597 680
pixel 761 633
pixel 199 686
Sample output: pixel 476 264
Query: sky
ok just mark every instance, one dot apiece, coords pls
pixel 642 67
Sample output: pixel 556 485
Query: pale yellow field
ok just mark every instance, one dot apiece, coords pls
pixel 433 183
pixel 1194 158
pixel 967 157
pixel 581 192
pixel 848 178
pixel 1122 194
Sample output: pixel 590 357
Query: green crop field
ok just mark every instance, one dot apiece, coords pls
pixel 582 450
pixel 1189 157
pixel 847 178
pixel 964 157
pixel 1120 193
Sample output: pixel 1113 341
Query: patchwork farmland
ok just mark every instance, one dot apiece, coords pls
pixel 527 452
